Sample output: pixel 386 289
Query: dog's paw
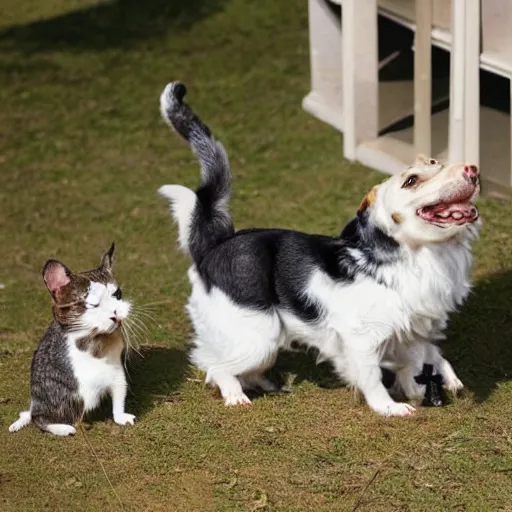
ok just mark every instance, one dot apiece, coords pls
pixel 397 409
pixel 238 399
pixel 124 419
pixel 454 385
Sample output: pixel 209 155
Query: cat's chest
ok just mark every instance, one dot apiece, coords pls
pixel 94 371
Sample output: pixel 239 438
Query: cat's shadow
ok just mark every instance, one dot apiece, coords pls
pixel 153 376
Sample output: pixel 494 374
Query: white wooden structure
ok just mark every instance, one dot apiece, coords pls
pixel 346 92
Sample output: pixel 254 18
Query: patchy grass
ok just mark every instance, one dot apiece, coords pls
pixel 82 152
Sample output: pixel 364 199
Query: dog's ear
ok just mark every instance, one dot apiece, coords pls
pixel 368 200
pixel 421 160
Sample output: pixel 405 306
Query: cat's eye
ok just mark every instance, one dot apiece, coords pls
pixel 432 162
pixel 410 181
pixel 88 305
pixel 118 294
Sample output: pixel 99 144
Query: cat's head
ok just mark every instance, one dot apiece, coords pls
pixel 89 302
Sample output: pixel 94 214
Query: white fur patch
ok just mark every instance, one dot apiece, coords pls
pixel 24 419
pixel 183 201
pixel 60 429
pixel 96 376
pixel 103 308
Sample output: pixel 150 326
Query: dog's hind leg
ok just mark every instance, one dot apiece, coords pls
pixel 232 341
pixel 229 386
pixel 240 370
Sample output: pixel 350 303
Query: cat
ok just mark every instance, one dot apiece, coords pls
pixel 78 360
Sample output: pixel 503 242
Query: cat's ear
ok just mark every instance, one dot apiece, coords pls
pixel 55 275
pixel 108 259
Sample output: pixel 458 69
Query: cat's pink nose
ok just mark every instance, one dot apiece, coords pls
pixel 115 318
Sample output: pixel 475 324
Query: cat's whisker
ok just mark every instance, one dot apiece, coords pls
pixel 129 344
pixel 146 307
pixel 146 315
pixel 158 303
pixel 141 307
pixel 136 331
pixel 138 322
pixel 138 317
pixel 124 334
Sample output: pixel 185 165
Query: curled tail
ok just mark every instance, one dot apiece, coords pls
pixel 203 217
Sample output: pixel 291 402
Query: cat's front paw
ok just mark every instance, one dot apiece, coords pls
pixel 124 419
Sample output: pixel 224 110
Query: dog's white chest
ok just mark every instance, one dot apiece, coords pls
pixel 410 298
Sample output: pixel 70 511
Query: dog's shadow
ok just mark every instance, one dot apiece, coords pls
pixel 300 365
pixel 478 345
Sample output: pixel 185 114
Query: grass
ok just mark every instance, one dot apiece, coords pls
pixel 82 153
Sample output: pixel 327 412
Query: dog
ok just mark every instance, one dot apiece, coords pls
pixel 378 294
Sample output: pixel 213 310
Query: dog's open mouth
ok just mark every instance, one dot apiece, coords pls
pixel 458 211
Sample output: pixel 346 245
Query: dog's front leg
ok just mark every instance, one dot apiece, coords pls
pixel 359 365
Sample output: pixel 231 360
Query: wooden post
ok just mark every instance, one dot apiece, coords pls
pixel 423 77
pixel 360 73
pixel 457 82
pixel 472 83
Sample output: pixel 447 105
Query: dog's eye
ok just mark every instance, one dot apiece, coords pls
pixel 432 162
pixel 410 181
pixel 117 294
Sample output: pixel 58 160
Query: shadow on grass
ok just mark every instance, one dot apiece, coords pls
pixel 301 366
pixel 155 377
pixel 110 24
pixel 479 343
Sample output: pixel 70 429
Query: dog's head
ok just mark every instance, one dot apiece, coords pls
pixel 427 203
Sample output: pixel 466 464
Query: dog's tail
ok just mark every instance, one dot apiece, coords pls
pixel 203 217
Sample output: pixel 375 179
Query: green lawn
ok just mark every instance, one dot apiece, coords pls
pixel 83 151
